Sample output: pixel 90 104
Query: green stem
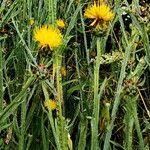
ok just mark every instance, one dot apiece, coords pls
pixel 79 78
pixel 138 129
pixel 62 132
pixel 59 81
pixel 52 4
pixel 50 117
pixel 83 128
pixel 117 96
pixel 23 125
pixel 1 80
pixel 95 120
pixel 30 139
pixel 44 139
pixel 129 122
pixel 85 42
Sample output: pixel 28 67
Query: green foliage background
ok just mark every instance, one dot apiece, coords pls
pixel 103 102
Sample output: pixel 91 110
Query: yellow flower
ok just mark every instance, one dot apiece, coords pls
pixel 100 13
pixel 63 71
pixel 60 23
pixel 48 36
pixel 50 104
pixel 31 21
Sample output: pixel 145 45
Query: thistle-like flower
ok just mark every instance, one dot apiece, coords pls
pixel 101 14
pixel 60 23
pixel 50 104
pixel 48 36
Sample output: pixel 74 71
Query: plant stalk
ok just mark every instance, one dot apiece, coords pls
pixel 96 106
pixel 1 79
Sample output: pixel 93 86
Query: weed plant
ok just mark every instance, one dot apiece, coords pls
pixel 74 75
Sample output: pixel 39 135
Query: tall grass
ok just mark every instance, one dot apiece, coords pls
pixel 103 96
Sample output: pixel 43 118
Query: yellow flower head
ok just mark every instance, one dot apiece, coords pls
pixel 63 71
pixel 31 22
pixel 48 36
pixel 50 104
pixel 60 23
pixel 100 13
